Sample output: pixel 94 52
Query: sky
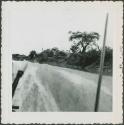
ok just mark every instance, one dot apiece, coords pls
pixel 37 25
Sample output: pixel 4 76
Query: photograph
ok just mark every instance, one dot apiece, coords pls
pixel 61 56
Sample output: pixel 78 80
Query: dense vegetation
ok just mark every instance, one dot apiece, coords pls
pixel 84 54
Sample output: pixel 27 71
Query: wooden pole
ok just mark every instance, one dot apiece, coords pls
pixel 101 67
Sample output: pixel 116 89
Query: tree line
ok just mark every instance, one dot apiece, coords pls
pixel 84 53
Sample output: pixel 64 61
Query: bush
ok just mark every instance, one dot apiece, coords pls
pixel 108 56
pixel 32 55
pixel 91 57
pixel 74 59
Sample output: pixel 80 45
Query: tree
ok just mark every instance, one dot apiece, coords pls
pixel 92 56
pixel 81 41
pixel 108 56
pixel 55 50
pixel 74 48
pixel 32 54
pixel 48 52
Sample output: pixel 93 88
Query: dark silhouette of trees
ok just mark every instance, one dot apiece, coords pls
pixel 81 41
pixel 74 48
pixel 83 54
pixel 32 54
pixel 108 56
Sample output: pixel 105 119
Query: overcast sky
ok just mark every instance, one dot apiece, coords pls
pixel 37 25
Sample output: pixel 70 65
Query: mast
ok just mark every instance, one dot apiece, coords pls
pixel 101 67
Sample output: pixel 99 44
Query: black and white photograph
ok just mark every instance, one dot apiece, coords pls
pixel 62 57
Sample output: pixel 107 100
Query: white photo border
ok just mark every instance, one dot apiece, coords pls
pixel 9 117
